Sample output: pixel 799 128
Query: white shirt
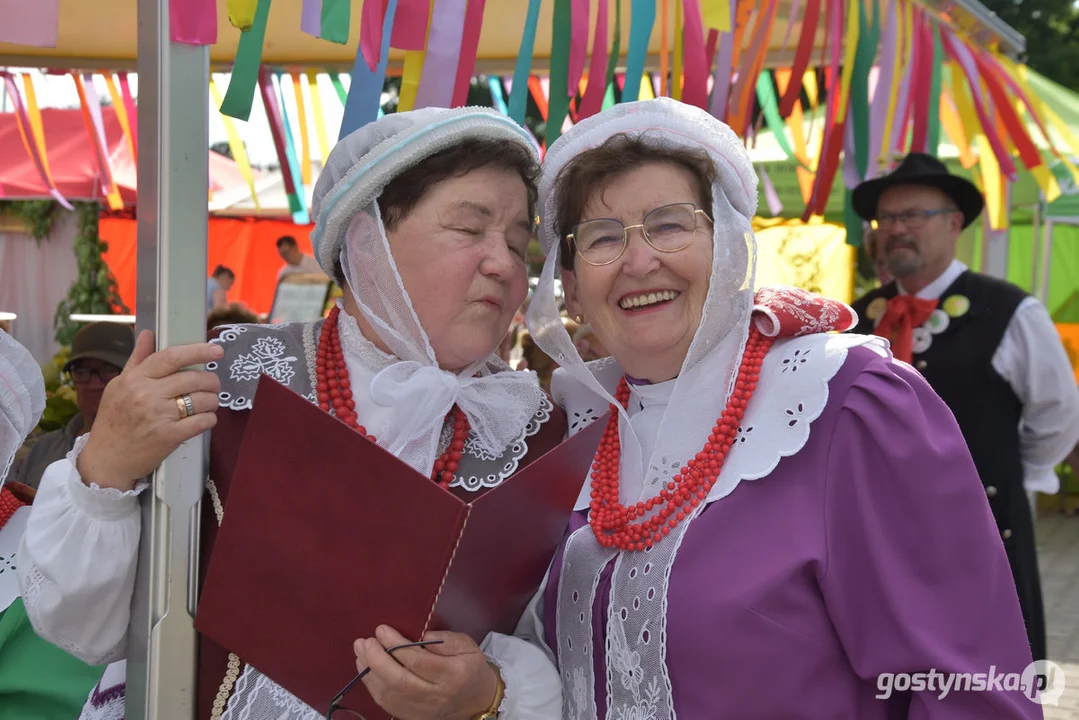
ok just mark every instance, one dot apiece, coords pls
pixel 1032 359
pixel 308 264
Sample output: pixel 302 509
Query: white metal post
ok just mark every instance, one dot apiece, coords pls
pixel 173 179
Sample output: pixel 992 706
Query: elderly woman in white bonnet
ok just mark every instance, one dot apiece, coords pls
pixel 780 521
pixel 424 218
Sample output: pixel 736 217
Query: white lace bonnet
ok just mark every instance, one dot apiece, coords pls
pixel 22 398
pixel 366 160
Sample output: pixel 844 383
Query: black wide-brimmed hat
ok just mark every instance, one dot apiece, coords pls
pixel 920 169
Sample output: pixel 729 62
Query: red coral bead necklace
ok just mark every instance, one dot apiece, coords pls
pixel 334 390
pixel 612 522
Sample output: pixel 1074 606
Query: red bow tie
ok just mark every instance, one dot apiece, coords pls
pixel 904 313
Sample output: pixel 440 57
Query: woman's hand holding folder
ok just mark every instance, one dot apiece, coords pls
pixel 448 681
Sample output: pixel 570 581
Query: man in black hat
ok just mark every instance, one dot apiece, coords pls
pixel 987 348
pixel 99 352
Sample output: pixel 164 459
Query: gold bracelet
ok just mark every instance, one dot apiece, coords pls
pixel 491 713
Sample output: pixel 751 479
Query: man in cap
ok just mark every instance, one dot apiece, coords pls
pixel 987 348
pixel 98 354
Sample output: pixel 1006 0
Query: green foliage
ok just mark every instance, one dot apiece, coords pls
pixel 1051 28
pixel 60 402
pixel 37 215
pixel 95 290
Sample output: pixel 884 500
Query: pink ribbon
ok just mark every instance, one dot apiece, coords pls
pixel 132 111
pixel 695 63
pixel 961 53
pixel 193 22
pixel 592 101
pixel 770 195
pixel 443 54
pixel 578 44
pixel 410 24
pixel 901 104
pixel 93 103
pixel 470 45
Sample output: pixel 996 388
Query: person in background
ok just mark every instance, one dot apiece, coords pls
pixel 985 346
pixel 99 353
pixel 295 260
pixel 231 314
pixel 218 286
pixel 874 251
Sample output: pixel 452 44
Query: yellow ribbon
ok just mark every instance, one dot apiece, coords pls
pixel 851 39
pixel 121 112
pixel 676 71
pixel 953 128
pixel 305 143
pixel 993 184
pixel 320 121
pixel 242 13
pixel 794 123
pixel 717 15
pixel 37 128
pixel 410 79
pixel 647 92
pixel 236 145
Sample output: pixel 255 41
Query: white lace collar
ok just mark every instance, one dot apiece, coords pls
pixel 792 392
pixel 10 535
pixel 650 394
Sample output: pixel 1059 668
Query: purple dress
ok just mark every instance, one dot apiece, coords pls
pixel 871 550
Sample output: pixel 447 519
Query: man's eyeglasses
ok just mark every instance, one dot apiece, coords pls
pixel 668 229
pixel 911 219
pixel 82 374
pixel 335 704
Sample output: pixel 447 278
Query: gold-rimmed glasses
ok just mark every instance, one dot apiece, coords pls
pixel 668 229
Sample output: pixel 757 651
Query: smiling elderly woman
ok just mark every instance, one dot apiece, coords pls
pixel 424 218
pixel 778 519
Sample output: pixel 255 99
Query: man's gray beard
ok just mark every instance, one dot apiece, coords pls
pixel 902 267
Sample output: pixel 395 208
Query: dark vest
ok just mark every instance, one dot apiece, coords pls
pixel 958 364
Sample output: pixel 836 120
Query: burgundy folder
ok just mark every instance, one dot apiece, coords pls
pixel 326 536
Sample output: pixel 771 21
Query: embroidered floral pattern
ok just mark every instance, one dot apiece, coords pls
pixel 267 357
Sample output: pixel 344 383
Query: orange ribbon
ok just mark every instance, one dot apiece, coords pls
pixel 904 313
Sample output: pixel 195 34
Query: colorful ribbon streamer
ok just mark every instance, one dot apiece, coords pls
pixel 301 112
pixel 130 109
pixel 91 114
pixel 311 17
pixel 443 52
pixel 32 132
pixel 245 71
pixel 801 56
pixel 558 98
pixel 695 91
pixel 192 22
pixel 518 104
pixel 410 30
pixel 578 46
pixel 717 15
pixel 121 113
pixel 320 118
pixel 363 102
pixel 278 132
pixel 470 46
pixel 371 32
pixel 336 18
pixel 643 18
pixel 242 14
pixel 236 145
pixel 721 80
pixel 592 99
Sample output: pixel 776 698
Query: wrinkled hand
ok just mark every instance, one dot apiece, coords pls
pixel 451 681
pixel 138 423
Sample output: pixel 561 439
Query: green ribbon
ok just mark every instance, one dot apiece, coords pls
pixel 642 19
pixel 864 54
pixel 934 93
pixel 245 70
pixel 766 95
pixel 558 102
pixel 335 79
pixel 336 16
pixel 616 48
